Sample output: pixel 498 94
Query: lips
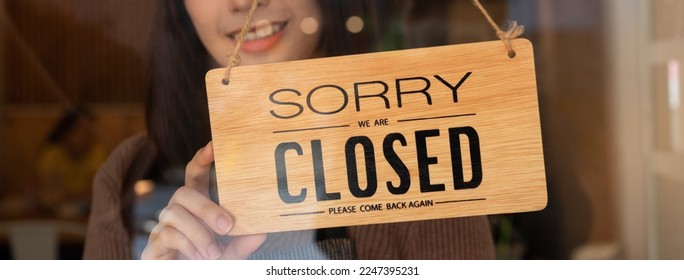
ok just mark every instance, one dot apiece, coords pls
pixel 264 35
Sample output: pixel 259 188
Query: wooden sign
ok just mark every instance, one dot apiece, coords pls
pixel 396 136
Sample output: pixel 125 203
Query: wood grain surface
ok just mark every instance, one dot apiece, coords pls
pixel 396 136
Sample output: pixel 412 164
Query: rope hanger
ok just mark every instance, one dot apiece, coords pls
pixel 506 36
pixel 234 59
pixel 513 31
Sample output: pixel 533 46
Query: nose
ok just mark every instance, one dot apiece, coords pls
pixel 244 5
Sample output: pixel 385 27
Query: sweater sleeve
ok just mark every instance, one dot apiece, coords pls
pixel 107 236
pixel 449 239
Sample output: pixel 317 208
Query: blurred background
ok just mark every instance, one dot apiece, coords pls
pixel 73 86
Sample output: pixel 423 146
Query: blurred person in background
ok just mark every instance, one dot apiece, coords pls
pixel 66 165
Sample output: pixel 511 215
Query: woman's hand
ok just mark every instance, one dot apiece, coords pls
pixel 190 224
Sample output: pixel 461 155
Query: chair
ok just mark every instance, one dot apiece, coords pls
pixel 38 239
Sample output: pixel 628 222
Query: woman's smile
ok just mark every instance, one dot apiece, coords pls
pixel 274 35
pixel 263 36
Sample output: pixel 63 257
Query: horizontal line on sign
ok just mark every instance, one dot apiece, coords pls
pixel 437 117
pixel 300 214
pixel 310 128
pixel 462 200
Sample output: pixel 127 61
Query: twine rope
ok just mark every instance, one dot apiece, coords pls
pixel 234 58
pixel 513 31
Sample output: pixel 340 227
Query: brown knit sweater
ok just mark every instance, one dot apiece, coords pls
pixel 109 236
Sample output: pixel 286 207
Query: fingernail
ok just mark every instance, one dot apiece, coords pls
pixel 214 252
pixel 223 224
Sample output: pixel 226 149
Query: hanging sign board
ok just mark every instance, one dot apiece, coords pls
pixel 396 136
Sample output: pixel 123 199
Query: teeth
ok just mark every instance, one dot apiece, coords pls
pixel 263 31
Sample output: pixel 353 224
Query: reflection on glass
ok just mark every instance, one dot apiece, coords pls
pixel 674 104
pixel 354 24
pixel 309 25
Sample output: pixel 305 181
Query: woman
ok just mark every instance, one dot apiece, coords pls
pixel 191 37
